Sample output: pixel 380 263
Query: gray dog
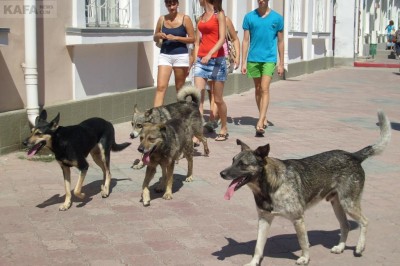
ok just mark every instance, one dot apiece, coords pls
pixel 185 110
pixel 162 144
pixel 288 187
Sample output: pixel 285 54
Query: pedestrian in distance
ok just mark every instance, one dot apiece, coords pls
pixel 263 37
pixel 174 31
pixel 390 31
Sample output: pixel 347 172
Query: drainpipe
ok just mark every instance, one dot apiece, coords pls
pixel 30 66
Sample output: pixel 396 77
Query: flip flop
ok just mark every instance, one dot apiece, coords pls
pixel 260 130
pixel 222 137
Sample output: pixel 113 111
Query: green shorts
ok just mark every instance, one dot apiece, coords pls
pixel 257 70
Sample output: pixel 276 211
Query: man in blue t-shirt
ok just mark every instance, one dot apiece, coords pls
pixel 263 37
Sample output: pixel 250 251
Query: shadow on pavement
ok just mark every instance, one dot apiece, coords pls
pixel 283 246
pixel 90 190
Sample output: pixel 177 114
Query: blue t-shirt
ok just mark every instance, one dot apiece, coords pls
pixel 263 35
pixel 389 29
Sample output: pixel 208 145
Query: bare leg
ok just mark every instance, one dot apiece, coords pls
pixel 180 74
pixel 220 104
pixel 163 76
pixel 262 98
pixel 200 83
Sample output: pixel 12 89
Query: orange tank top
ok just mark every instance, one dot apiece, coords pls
pixel 209 37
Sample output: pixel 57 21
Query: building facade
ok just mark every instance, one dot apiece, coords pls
pixel 97 57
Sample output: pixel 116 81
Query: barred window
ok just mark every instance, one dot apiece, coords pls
pixel 296 15
pixel 319 16
pixel 107 13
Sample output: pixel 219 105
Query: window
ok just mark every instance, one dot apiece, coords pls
pixel 295 18
pixel 107 13
pixel 319 16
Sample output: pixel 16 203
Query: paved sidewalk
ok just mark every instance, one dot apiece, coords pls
pixel 330 109
pixel 383 58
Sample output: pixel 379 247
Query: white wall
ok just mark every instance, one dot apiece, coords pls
pixel 92 65
pixel 345 32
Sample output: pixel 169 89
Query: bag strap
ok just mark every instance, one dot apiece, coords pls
pixel 162 23
pixel 228 35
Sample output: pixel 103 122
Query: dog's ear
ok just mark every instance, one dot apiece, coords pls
pixel 43 115
pixel 243 145
pixel 55 121
pixel 262 151
pixel 135 109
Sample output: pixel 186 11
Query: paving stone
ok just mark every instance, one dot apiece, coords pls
pixel 329 109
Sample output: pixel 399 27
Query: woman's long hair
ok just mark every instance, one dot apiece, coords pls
pixel 217 5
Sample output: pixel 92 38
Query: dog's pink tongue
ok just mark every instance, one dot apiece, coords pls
pixel 146 158
pixel 32 151
pixel 229 192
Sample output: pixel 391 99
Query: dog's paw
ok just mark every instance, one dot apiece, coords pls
pixel 359 250
pixel 167 196
pixel 79 195
pixel 65 206
pixel 189 179
pixel 104 191
pixel 338 249
pixel 146 203
pixel 303 261
pixel 137 164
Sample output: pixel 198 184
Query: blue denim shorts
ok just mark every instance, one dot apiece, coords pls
pixel 214 70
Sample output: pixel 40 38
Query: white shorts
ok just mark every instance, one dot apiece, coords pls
pixel 174 60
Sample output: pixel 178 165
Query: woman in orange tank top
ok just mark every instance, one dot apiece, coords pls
pixel 210 62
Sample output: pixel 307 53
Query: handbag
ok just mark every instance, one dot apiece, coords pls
pixel 160 41
pixel 231 52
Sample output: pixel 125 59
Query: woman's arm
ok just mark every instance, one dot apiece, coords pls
pixel 157 31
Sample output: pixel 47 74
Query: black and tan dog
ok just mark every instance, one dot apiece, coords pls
pixel 163 144
pixel 71 145
pixel 185 110
pixel 288 187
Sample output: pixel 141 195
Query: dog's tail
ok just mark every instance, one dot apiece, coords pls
pixel 377 148
pixel 187 91
pixel 119 147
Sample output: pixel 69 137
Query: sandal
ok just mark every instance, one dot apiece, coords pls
pixel 222 137
pixel 260 130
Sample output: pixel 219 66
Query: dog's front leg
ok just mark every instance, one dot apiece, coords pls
pixel 303 241
pixel 138 163
pixel 150 172
pixel 78 187
pixel 161 184
pixel 169 180
pixel 67 185
pixel 264 223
